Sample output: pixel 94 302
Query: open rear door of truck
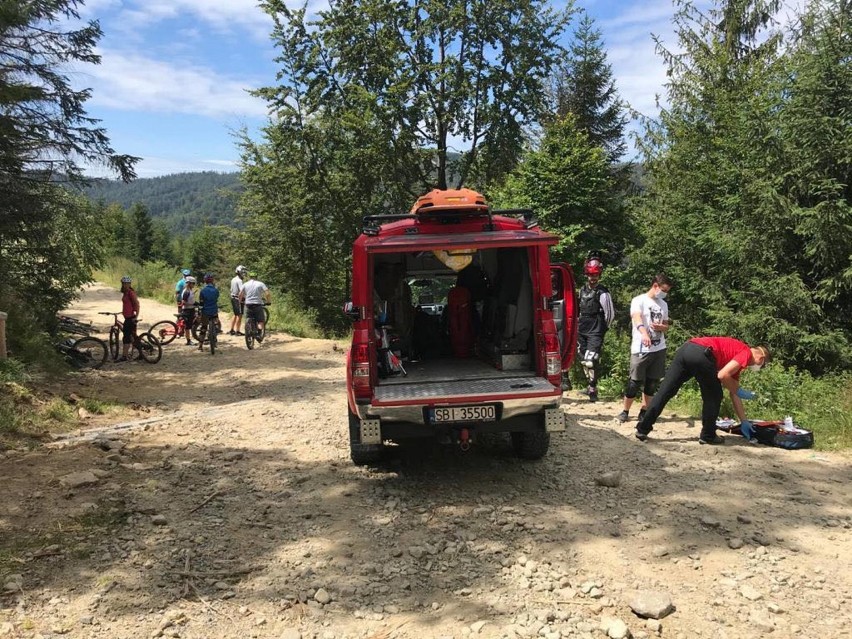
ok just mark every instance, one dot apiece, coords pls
pixel 564 304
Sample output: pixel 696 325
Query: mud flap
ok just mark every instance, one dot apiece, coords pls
pixel 554 420
pixel 371 431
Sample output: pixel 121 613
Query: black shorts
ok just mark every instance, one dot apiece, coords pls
pixel 128 331
pixel 189 316
pixel 255 311
pixel 237 306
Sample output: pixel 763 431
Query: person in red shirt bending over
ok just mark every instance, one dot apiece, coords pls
pixel 714 362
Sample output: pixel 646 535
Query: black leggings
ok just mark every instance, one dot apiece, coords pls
pixel 690 360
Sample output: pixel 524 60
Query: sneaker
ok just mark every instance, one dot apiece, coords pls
pixel 593 394
pixel 641 436
pixel 190 343
pixel 239 333
pixel 122 359
pixel 232 332
pixel 642 412
pixel 715 440
pixel 623 416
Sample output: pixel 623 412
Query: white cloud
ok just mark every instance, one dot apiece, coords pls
pixel 223 15
pixel 134 82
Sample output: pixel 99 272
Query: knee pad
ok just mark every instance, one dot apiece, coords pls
pixel 651 386
pixel 632 389
pixel 589 358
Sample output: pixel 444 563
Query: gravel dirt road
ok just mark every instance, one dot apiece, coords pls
pixel 224 505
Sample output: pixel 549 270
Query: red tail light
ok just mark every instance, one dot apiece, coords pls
pixel 361 370
pixel 552 358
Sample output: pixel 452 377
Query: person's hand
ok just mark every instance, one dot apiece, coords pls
pixel 660 326
pixel 646 340
pixel 747 429
pixel 742 393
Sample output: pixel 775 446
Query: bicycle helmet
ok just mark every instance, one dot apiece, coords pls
pixel 240 269
pixel 208 277
pixel 190 279
pixel 185 272
pixel 126 279
pixel 593 264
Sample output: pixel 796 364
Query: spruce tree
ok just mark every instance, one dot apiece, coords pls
pixel 585 88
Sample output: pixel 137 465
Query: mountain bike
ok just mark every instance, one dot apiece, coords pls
pixel 145 346
pixel 209 332
pixel 253 333
pixel 80 352
pixel 166 331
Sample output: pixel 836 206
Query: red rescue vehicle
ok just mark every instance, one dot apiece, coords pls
pixel 462 326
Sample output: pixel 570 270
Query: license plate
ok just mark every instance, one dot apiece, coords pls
pixel 486 413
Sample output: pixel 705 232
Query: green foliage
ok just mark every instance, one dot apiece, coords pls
pixel 181 202
pixel 719 213
pixel 287 315
pixel 50 238
pixel 142 233
pixel 584 87
pixel 13 370
pixel 152 279
pixel 581 210
pixel 211 249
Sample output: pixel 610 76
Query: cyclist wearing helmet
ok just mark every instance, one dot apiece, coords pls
pixel 237 307
pixel 130 310
pixel 209 298
pixel 596 314
pixel 188 300
pixel 180 285
pixel 254 293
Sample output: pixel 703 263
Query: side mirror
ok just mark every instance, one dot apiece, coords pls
pixel 351 311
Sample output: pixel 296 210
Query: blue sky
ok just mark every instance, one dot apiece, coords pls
pixel 173 82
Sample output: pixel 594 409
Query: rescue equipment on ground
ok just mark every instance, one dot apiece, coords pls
pixel 779 433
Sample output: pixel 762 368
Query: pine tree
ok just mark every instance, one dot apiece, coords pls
pixel 585 87
pixel 143 232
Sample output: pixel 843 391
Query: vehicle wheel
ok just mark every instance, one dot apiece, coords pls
pixel 164 331
pixel 114 340
pixel 148 348
pixel 265 315
pixel 361 454
pixel 211 335
pixel 531 444
pixel 250 328
pixel 90 352
pixel 197 333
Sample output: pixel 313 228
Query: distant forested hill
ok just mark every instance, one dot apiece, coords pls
pixel 183 201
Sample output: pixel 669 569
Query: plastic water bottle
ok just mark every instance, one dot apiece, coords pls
pixel 788 423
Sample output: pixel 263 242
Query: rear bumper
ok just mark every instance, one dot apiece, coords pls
pixel 418 413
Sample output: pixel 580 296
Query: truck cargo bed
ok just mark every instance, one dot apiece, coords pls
pixel 432 379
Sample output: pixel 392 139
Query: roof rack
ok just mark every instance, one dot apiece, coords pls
pixel 526 214
pixel 372 224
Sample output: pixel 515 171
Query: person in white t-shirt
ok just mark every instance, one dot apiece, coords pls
pixel 649 315
pixel 254 294
pixel 236 305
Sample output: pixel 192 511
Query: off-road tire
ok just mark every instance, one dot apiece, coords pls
pixel 114 341
pixel 164 331
pixel 361 454
pixel 531 444
pixel 89 352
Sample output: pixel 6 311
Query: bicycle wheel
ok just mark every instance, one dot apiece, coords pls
pixel 114 341
pixel 211 335
pixel 89 352
pixel 196 331
pixel 265 315
pixel 164 331
pixel 250 329
pixel 148 348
